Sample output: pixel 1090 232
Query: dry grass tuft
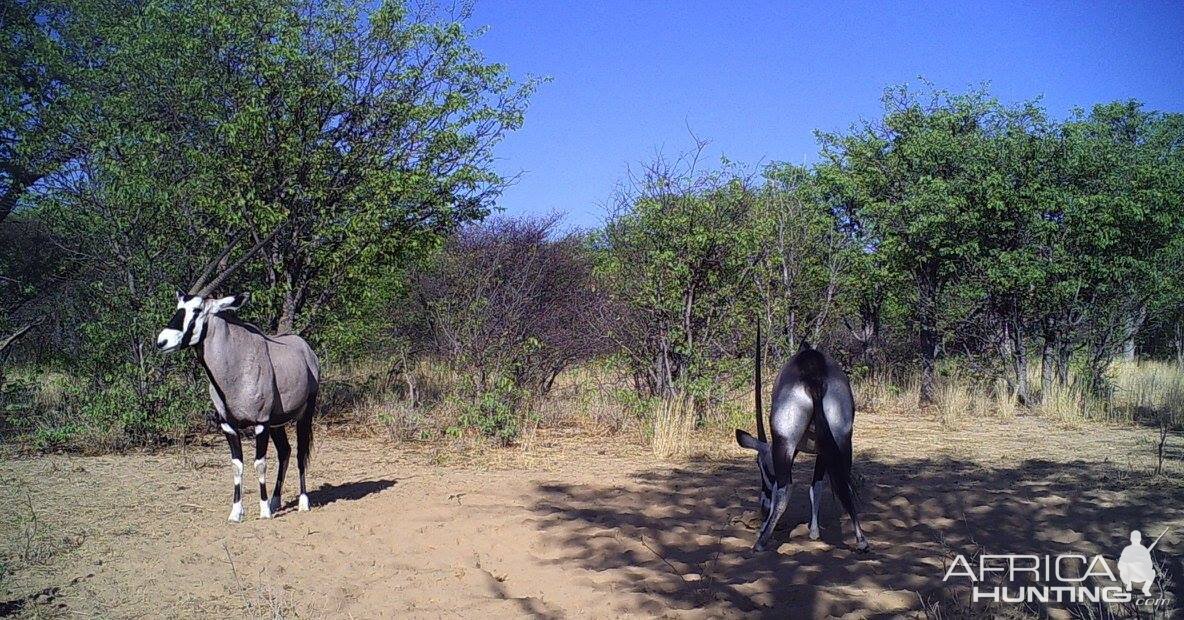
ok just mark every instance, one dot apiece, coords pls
pixel 672 425
pixel 885 393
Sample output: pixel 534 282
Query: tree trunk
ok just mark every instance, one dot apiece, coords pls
pixel 1048 362
pixel 1128 349
pixel 1134 323
pixel 1180 344
pixel 7 341
pixel 1099 359
pixel 791 340
pixel 927 318
pixel 1063 354
pixel 293 303
pixel 1017 357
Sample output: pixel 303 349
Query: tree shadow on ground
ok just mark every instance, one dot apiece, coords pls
pixel 681 537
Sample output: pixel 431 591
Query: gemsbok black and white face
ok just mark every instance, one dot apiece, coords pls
pixel 187 327
pixel 764 465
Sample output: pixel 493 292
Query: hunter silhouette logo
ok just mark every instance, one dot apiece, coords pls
pixel 1135 563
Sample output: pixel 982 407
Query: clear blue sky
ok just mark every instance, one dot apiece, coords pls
pixel 757 78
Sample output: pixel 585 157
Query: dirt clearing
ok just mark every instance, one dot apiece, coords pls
pixel 572 527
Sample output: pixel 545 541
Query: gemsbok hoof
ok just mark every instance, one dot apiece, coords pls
pixel 863 546
pixel 274 504
pixel 236 513
pixel 303 503
pixel 814 535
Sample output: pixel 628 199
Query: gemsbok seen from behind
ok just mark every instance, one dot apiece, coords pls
pixel 811 396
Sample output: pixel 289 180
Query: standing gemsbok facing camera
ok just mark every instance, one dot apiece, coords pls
pixel 257 382
pixel 811 389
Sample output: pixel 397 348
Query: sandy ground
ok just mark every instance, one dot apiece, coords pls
pixel 573 527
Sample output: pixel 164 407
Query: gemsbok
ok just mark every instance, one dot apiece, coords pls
pixel 811 393
pixel 258 382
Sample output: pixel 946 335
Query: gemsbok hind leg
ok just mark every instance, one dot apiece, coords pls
pixel 236 464
pixel 261 469
pixel 304 448
pixel 816 487
pixel 283 449
pixel 840 479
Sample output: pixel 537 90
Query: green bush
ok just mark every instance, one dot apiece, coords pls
pixel 497 411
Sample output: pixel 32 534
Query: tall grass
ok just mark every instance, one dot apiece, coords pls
pixel 428 400
pixel 1147 390
pixel 1142 391
pixel 882 392
pixel 672 425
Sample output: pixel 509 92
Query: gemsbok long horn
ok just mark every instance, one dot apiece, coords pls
pixel 212 265
pixel 201 290
pixel 760 415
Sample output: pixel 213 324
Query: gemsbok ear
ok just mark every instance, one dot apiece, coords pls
pixel 180 296
pixel 234 302
pixel 746 440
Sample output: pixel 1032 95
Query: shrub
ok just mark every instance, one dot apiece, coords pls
pixel 497 412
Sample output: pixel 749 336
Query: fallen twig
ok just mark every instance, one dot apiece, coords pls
pixel 241 589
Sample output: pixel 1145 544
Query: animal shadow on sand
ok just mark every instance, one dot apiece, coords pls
pixel 346 491
pixel 681 537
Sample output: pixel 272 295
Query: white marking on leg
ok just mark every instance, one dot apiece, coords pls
pixel 258 430
pixel 236 509
pixel 228 429
pixel 860 540
pixel 261 469
pixel 303 502
pixel 815 500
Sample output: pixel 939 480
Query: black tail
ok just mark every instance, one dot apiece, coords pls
pixel 760 416
pixel 304 433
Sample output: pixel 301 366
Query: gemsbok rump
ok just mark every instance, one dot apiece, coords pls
pixel 811 391
pixel 258 382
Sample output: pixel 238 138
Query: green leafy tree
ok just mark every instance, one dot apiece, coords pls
pixel 369 135
pixel 924 186
pixel 677 257
pixel 804 259
pixel 1119 218
pixel 365 130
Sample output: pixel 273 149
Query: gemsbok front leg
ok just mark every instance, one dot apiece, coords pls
pixel 261 469
pixel 236 464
